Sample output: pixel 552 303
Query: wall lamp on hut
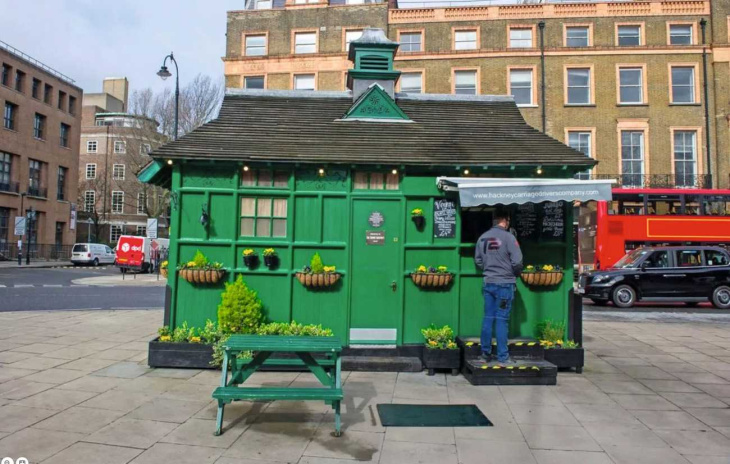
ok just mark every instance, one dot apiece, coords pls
pixel 204 217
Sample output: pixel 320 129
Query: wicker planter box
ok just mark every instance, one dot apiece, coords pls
pixel 432 279
pixel 566 358
pixel 542 279
pixel 441 359
pixel 318 280
pixel 163 272
pixel 189 355
pixel 202 276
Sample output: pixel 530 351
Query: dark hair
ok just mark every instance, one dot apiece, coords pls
pixel 501 213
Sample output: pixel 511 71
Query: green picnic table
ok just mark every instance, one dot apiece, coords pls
pixel 326 368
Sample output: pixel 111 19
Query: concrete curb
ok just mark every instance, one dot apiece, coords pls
pixel 144 280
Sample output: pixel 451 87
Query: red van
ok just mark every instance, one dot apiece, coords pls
pixel 140 253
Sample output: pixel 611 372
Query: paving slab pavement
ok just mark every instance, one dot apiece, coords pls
pixel 75 387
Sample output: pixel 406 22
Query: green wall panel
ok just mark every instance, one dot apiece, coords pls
pixel 191 205
pixel 330 257
pixel 284 258
pixel 336 219
pixel 327 307
pixel 223 219
pixel 334 180
pixel 307 219
pixel 471 306
pixel 207 176
pixel 425 235
pixel 197 303
pixel 274 292
pixel 425 307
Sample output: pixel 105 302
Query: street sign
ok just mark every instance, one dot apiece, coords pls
pixel 151 228
pixel 72 219
pixel 19 226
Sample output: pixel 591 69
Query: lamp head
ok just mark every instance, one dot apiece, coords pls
pixel 164 73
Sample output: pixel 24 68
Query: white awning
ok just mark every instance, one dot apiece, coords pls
pixel 475 191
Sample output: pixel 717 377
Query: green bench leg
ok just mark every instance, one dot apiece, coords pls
pixel 219 418
pixel 338 424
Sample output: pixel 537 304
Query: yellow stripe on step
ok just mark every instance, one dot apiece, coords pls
pixel 532 344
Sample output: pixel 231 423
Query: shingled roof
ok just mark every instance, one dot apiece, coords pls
pixel 306 127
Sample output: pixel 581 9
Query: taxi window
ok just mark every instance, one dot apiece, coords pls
pixel 658 259
pixel 715 258
pixel 689 258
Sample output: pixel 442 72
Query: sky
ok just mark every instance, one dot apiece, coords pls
pixel 89 40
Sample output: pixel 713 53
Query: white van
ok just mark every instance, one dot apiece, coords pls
pixel 92 253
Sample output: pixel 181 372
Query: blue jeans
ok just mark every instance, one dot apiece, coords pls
pixel 497 306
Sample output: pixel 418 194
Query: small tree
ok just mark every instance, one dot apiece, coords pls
pixel 240 310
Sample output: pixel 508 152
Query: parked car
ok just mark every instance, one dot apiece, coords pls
pixel 91 253
pixel 140 253
pixel 688 274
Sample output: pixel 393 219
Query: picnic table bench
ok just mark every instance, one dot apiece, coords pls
pixel 326 370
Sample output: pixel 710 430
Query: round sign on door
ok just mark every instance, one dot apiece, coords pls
pixel 376 219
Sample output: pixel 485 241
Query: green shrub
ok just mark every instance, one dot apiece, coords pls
pixel 240 310
pixel 293 328
pixel 440 338
pixel 316 264
pixel 551 331
pixel 183 333
pixel 200 259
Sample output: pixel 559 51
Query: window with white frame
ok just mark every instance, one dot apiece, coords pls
pixel 145 149
pixel 263 217
pixel 465 40
pixel 141 203
pixel 629 35
pixel 304 82
pixel 141 231
pixel 91 146
pixel 411 82
pixel 581 141
pixel 115 232
pixel 631 85
pixel 117 202
pixel 256 45
pixel 364 180
pixel 350 36
pixel 305 42
pixel 465 82
pixel 120 146
pixel 262 4
pixel 681 34
pixel 411 42
pixel 118 172
pixel 577 36
pixel 89 201
pixel 685 158
pixel 683 84
pixel 520 84
pixel 354 2
pixel 520 37
pixel 91 171
pixel 254 82
pixel 579 86
pixel 632 158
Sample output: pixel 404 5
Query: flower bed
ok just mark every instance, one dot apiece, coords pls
pixel 441 351
pixel 563 353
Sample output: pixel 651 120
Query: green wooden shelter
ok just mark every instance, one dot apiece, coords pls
pixel 338 173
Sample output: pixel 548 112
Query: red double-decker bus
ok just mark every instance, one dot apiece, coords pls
pixel 646 216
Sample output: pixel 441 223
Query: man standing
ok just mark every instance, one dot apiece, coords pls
pixel 499 256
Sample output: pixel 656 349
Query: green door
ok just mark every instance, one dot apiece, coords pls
pixel 376 306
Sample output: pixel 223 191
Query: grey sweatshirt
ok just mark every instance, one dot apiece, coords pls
pixel 498 254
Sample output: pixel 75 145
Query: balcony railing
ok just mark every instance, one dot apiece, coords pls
pixel 12 187
pixel 688 181
pixel 40 192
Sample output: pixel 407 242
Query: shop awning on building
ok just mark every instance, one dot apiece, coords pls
pixel 504 191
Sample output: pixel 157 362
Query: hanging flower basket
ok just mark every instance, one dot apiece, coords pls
pixel 542 278
pixel 321 280
pixel 202 276
pixel 163 272
pixel 432 279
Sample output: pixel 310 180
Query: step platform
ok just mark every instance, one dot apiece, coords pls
pixel 522 372
pixel 526 348
pixel 390 363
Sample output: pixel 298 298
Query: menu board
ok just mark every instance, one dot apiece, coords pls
pixel 540 222
pixel 444 219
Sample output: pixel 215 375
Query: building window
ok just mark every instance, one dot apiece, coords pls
pixel 262 4
pixel 72 105
pixel 65 129
pixel 632 158
pixel 34 178
pixel 114 233
pixel 141 231
pixel 579 86
pixel 19 80
pixel 91 146
pixel 577 36
pixel 520 37
pixel 91 171
pixel 47 94
pixel 118 172
pixel 354 2
pixel 305 42
pixel 631 85
pixel 61 100
pixel 520 85
pixel 117 202
pixel 411 82
pixel 254 82
pixel 263 217
pixel 350 36
pixel 39 126
pixel 4 227
pixel 685 158
pixel 35 89
pixel 5 77
pixel 145 149
pixel 264 178
pixel 89 201
pixel 681 34
pixel 683 84
pixel 465 82
pixel 629 35
pixel 304 82
pixel 120 146
pixel 465 40
pixel 411 42
pixel 141 203
pixel 376 181
pixel 61 184
pixel 581 141
pixel 6 163
pixel 255 45
pixel 11 110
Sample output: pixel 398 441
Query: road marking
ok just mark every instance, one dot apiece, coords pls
pixel 52 286
pixel 22 286
pixel 3 286
pixel 80 286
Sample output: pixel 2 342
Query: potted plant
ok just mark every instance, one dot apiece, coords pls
pixel 163 268
pixel 184 346
pixel 250 258
pixel 441 351
pixel 542 276
pixel 417 218
pixel 563 353
pixel 317 275
pixel 201 271
pixel 270 258
pixel 433 277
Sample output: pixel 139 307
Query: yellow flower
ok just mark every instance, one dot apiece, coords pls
pixel 417 212
pixel 422 268
pixel 191 264
pixel 194 339
pixel 547 267
pixel 163 265
pixel 558 342
pixel 165 338
pixel 442 268
pixel 432 342
pixel 469 343
pixel 248 252
pixel 330 269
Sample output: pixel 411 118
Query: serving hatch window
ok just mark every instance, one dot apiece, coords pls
pixel 264 178
pixel 376 181
pixel 263 217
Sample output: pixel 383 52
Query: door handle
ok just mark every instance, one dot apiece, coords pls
pixel 393 286
pixel 674 275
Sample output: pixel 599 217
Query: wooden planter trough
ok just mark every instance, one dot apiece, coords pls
pixel 189 355
pixel 310 280
pixel 566 358
pixel 542 279
pixel 202 276
pixel 441 359
pixel 432 279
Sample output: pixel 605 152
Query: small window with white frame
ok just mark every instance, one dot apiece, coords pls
pixel 520 37
pixel 521 86
pixel 631 85
pixel 685 158
pixel 465 39
pixel 582 141
pixel 683 84
pixel 255 45
pixel 117 202
pixel 465 82
pixel 141 203
pixel 118 171
pixel 254 82
pixel 354 2
pixel 120 146
pixel 411 82
pixel 141 231
pixel 577 36
pixel 262 4
pixel 304 82
pixel 364 180
pixel 578 86
pixel 91 171
pixel 628 35
pixel 681 34
pixel 91 146
pixel 411 42
pixel 89 201
pixel 305 42
pixel 115 232
pixel 350 35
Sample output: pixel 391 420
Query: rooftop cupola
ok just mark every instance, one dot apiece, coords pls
pixel 372 56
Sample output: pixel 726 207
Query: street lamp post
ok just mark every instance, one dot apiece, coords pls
pixel 164 73
pixel 30 217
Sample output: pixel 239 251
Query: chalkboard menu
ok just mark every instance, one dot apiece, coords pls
pixel 444 219
pixel 540 222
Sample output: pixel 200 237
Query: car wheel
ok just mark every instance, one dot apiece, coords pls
pixel 624 296
pixel 599 302
pixel 721 297
pixel 96 262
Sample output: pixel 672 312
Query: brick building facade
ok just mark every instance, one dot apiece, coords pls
pixel 623 81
